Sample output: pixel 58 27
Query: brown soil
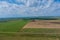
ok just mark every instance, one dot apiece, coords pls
pixel 43 24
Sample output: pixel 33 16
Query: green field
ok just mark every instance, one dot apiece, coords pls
pixel 42 30
pixel 12 30
pixel 12 26
pixel 50 32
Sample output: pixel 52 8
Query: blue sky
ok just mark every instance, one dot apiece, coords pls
pixel 29 8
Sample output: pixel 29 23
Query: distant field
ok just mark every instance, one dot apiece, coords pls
pixel 12 26
pixel 43 24
pixel 13 30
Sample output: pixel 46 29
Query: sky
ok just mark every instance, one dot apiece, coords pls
pixel 29 8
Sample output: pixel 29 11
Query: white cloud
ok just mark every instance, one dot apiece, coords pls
pixel 10 10
pixel 38 3
pixel 14 10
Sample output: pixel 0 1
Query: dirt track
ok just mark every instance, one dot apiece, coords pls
pixel 43 24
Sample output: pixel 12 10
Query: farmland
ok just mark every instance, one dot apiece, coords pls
pixel 12 26
pixel 14 30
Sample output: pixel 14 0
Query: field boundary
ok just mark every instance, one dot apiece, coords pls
pixel 29 33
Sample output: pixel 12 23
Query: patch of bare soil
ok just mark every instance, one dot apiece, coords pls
pixel 43 24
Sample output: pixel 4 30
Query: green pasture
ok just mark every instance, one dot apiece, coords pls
pixel 12 26
pixel 21 36
pixel 42 30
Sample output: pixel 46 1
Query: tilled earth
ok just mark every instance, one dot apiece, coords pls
pixel 43 24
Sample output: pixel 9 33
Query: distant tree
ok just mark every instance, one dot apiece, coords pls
pixel 33 20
